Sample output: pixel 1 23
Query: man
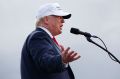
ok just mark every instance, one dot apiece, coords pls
pixel 42 57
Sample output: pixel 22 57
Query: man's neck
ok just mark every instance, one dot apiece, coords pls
pixel 46 30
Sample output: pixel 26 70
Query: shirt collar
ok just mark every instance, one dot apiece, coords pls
pixel 46 30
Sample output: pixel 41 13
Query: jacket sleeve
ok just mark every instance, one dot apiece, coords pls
pixel 46 58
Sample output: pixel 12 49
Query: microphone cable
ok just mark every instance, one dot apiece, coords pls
pixel 105 47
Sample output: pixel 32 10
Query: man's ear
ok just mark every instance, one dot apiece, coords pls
pixel 46 20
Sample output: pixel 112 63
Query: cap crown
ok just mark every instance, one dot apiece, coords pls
pixel 51 9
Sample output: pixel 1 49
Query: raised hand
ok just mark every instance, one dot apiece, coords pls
pixel 69 56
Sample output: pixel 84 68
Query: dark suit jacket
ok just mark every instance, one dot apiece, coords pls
pixel 41 59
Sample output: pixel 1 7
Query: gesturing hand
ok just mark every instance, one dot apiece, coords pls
pixel 68 56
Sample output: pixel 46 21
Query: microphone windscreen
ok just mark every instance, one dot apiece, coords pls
pixel 74 31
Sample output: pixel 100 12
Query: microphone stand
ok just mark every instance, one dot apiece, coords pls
pixel 115 59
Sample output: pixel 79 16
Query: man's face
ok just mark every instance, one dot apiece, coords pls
pixel 55 24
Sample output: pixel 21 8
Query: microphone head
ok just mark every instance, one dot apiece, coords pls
pixel 74 31
pixel 77 31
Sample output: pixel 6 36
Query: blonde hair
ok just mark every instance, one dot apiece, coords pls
pixel 39 22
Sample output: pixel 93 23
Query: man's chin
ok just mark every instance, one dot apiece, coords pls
pixel 59 33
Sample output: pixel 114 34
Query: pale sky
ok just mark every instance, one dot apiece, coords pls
pixel 98 17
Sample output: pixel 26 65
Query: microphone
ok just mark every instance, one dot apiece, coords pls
pixel 88 35
pixel 77 31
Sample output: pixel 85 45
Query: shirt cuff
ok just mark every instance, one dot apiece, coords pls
pixel 66 65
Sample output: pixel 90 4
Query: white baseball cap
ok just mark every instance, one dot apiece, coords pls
pixel 52 9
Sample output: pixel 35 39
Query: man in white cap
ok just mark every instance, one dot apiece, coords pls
pixel 42 57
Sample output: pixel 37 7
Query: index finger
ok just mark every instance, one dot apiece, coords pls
pixel 66 51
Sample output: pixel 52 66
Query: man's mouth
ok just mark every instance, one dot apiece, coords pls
pixel 61 27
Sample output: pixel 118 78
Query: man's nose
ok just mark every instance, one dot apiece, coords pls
pixel 62 20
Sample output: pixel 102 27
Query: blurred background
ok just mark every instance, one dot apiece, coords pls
pixel 98 17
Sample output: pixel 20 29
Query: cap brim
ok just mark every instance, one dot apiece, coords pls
pixel 67 16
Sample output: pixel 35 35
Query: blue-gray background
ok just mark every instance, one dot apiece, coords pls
pixel 99 17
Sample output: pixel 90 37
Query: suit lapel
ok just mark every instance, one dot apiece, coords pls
pixel 50 40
